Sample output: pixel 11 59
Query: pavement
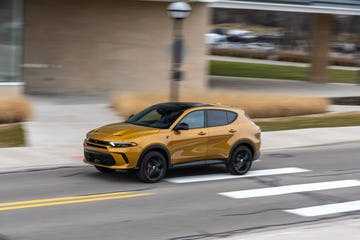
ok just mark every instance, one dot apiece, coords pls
pixel 283 87
pixel 60 123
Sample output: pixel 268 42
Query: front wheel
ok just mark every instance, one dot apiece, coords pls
pixel 240 161
pixel 152 167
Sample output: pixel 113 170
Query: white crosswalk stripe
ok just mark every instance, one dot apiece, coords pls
pixel 312 211
pixel 326 209
pixel 255 173
pixel 273 191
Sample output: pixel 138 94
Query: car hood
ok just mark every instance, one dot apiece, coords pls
pixel 123 130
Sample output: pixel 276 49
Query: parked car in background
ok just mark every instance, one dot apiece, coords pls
pixel 220 31
pixel 214 38
pixel 169 135
pixel 270 38
pixel 344 47
pixel 241 36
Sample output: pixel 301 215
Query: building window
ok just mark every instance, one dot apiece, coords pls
pixel 11 26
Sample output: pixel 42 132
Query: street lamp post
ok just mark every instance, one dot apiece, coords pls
pixel 177 11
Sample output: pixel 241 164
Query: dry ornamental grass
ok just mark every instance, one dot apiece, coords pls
pixel 256 106
pixel 14 109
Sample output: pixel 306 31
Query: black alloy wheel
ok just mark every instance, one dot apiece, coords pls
pixel 152 167
pixel 240 161
pixel 105 170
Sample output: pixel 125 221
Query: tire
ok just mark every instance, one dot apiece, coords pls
pixel 240 161
pixel 105 170
pixel 152 167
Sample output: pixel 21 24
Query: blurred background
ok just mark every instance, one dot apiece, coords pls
pixel 105 46
pixel 121 54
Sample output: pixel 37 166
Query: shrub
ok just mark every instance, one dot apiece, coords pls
pixel 290 56
pixel 256 106
pixel 245 53
pixel 14 109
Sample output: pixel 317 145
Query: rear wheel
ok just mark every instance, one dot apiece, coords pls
pixel 240 161
pixel 152 167
pixel 105 170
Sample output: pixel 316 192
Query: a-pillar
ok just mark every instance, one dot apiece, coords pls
pixel 320 44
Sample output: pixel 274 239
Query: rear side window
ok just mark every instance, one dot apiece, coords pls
pixel 220 117
pixel 217 118
pixel 231 116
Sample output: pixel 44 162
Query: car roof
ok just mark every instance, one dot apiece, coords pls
pixel 183 105
pixel 189 105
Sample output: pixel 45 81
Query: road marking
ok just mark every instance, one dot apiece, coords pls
pixel 326 209
pixel 256 173
pixel 309 187
pixel 68 200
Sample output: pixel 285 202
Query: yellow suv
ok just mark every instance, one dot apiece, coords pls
pixel 168 135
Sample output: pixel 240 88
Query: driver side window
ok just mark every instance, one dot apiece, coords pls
pixel 194 119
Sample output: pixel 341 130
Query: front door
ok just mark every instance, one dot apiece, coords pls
pixel 190 145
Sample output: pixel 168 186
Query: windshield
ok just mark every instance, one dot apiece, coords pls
pixel 157 116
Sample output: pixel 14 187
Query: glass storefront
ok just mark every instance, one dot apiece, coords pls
pixel 11 26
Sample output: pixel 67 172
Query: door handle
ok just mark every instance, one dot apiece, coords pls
pixel 202 133
pixel 232 131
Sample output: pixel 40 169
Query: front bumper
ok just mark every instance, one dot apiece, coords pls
pixel 101 154
pixel 99 158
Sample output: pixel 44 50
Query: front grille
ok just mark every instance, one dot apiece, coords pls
pixel 96 146
pixel 99 158
pixel 91 140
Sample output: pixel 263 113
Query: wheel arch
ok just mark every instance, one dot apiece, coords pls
pixel 158 148
pixel 246 143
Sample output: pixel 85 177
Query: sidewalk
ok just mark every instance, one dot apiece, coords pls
pixel 56 132
pixel 284 87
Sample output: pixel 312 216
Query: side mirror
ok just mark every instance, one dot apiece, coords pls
pixel 181 126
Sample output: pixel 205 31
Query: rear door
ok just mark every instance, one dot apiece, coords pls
pixel 221 127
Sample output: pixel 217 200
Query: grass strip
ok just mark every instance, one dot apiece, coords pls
pixel 253 70
pixel 317 121
pixel 12 135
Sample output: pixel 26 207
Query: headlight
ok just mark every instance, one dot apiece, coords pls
pixel 123 144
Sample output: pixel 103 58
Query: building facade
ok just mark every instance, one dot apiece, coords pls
pixel 11 19
pixel 102 46
pixel 93 46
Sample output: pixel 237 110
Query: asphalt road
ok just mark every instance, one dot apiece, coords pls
pixel 80 203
